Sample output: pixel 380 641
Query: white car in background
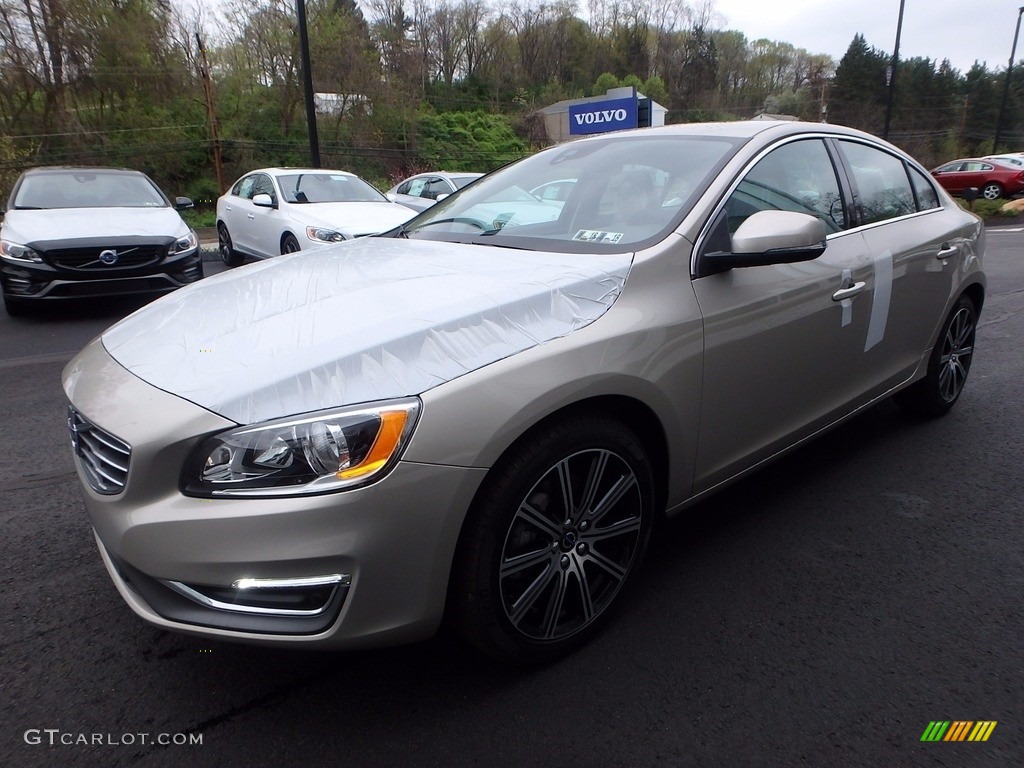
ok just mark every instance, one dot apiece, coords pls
pixel 1014 159
pixel 273 211
pixel 424 189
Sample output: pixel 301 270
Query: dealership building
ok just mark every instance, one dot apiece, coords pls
pixel 618 109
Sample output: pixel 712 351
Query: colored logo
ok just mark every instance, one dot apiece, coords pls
pixel 958 730
pixel 602 116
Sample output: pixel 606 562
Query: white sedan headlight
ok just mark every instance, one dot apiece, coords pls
pixel 322 235
pixel 316 453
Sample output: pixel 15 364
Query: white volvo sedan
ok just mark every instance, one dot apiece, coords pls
pixel 482 415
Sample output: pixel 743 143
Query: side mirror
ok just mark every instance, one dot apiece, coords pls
pixel 442 196
pixel 182 203
pixel 263 200
pixel 770 237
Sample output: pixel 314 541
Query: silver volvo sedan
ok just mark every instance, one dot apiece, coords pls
pixel 482 415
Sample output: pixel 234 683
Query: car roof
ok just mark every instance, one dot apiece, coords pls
pixel 445 174
pixel 81 169
pixel 285 170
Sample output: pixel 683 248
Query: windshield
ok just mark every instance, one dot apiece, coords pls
pixel 328 187
pixel 612 194
pixel 87 189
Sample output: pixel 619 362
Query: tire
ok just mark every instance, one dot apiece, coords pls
pixel 992 191
pixel 228 254
pixel 948 365
pixel 541 561
pixel 289 244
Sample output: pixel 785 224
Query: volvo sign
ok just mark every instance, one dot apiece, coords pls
pixel 602 116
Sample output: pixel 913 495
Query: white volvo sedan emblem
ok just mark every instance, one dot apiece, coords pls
pixel 108 257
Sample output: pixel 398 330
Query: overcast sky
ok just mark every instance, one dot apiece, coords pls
pixel 959 30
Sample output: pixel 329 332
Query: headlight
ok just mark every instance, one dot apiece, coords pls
pixel 325 235
pixel 317 453
pixel 186 243
pixel 18 252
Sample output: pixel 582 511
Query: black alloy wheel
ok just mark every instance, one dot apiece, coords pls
pixel 228 254
pixel 948 366
pixel 561 525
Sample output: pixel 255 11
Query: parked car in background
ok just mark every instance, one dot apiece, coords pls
pixel 483 414
pixel 1014 159
pixel 424 189
pixel 272 211
pixel 71 232
pixel 992 178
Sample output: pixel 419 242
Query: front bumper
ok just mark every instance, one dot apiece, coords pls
pixel 262 570
pixel 26 281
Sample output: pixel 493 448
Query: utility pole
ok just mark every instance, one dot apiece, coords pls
pixel 1006 85
pixel 307 83
pixel 204 72
pixel 963 129
pixel 891 73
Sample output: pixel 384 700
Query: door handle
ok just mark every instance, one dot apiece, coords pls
pixel 848 292
pixel 946 251
pixel 250 216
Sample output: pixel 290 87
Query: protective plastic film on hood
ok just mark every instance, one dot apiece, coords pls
pixel 368 320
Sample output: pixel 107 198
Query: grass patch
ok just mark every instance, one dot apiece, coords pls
pixel 989 210
pixel 198 218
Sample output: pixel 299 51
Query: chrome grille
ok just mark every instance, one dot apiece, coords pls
pixel 104 458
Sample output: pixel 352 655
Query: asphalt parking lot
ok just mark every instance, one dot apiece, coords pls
pixel 823 612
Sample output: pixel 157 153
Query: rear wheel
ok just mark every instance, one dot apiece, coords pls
pixel 992 191
pixel 560 526
pixel 228 254
pixel 948 365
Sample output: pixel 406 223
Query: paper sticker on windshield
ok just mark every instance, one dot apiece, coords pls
pixel 597 236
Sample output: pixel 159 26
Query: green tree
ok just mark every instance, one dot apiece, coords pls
pixel 858 96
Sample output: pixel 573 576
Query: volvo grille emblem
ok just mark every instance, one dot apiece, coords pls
pixel 108 257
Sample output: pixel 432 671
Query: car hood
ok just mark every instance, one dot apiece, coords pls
pixel 27 227
pixel 366 320
pixel 351 218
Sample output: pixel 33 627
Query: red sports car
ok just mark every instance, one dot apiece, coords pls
pixel 992 179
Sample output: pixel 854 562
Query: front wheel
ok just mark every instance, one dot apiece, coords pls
pixel 992 191
pixel 948 365
pixel 561 524
pixel 228 254
pixel 289 244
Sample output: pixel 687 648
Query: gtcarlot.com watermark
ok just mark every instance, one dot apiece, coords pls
pixel 54 737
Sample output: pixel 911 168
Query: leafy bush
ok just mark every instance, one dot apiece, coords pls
pixel 467 141
pixel 990 210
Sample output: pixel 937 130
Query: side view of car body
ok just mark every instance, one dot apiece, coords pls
pixel 272 211
pixel 484 414
pixel 421 191
pixel 992 178
pixel 71 232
